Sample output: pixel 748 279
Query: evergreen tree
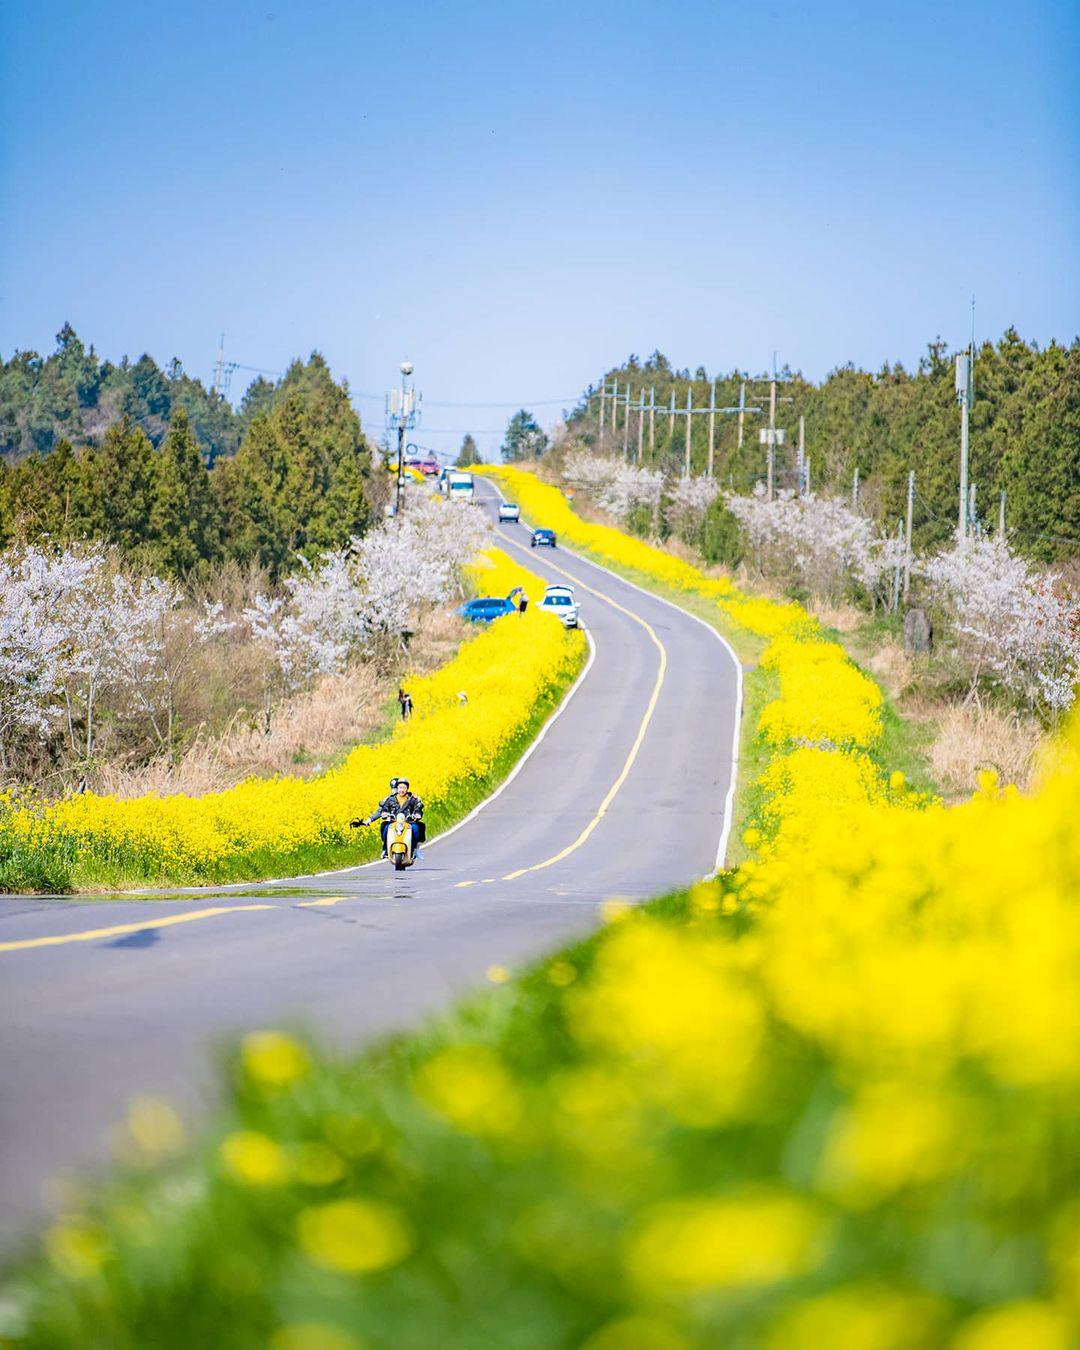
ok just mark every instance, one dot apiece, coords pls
pixel 468 454
pixel 525 438
pixel 256 523
pixel 183 512
pixel 123 471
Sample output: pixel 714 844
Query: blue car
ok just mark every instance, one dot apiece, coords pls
pixel 486 608
pixel 543 537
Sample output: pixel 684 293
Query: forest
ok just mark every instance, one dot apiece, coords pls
pixel 1025 435
pixel 153 462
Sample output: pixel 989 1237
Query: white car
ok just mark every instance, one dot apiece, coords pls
pixel 559 600
pixel 509 511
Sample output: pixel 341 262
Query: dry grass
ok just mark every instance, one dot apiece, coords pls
pixel 306 731
pixel 969 738
pixel 843 617
pixel 891 666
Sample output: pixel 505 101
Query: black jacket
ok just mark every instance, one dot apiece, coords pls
pixel 413 807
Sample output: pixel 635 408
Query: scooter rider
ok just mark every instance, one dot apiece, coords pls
pixel 412 808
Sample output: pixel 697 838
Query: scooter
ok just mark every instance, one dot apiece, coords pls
pixel 399 849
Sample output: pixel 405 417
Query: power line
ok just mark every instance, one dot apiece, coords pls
pixel 518 403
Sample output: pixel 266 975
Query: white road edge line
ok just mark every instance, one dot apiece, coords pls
pixel 729 801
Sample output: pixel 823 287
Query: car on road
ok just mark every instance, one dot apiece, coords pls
pixel 429 467
pixel 486 608
pixel 560 601
pixel 542 536
pixel 509 511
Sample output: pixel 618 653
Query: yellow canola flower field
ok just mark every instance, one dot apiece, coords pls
pixel 449 748
pixel 929 955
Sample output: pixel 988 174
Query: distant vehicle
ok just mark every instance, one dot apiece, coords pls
pixel 509 511
pixel 429 467
pixel 413 461
pixel 560 601
pixel 486 608
pixel 542 536
pixel 458 485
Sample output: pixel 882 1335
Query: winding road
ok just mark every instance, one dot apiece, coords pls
pixel 626 794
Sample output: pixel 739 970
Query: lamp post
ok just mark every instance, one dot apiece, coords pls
pixel 402 413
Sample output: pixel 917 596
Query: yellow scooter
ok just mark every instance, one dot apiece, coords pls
pixel 399 841
pixel 399 837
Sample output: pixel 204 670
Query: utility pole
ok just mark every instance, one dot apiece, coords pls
pixel 219 365
pixel 742 410
pixel 689 425
pixel 652 423
pixel 640 425
pixel 963 397
pixel 402 413
pixel 603 393
pixel 773 436
pixel 907 530
pixel 771 474
pixel 671 418
pixel 626 426
pixel 772 400
pixel 855 489
pixel 712 427
pixel 1001 515
pixel 615 409
pixel 802 452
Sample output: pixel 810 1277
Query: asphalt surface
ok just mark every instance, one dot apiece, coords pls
pixel 89 1023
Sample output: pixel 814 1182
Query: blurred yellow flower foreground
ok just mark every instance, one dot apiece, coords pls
pixel 450 748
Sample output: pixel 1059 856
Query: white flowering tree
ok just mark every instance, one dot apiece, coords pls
pixel 816 542
pixel 37 641
pixel 1008 622
pixel 364 599
pixel 690 499
pixel 616 487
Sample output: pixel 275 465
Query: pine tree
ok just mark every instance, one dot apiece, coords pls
pixel 468 454
pixel 524 438
pixel 183 522
pixel 124 469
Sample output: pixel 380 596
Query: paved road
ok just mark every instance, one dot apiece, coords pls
pixel 88 1023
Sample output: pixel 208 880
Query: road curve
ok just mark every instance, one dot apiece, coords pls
pixel 626 795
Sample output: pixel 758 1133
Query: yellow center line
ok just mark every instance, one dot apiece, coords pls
pixel 315 904
pixel 459 884
pixel 93 934
pixel 638 739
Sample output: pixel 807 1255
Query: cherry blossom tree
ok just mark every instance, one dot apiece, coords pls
pixel 816 542
pixel 616 487
pixel 37 643
pixel 690 499
pixel 1008 622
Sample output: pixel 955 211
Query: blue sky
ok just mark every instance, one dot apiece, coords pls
pixel 517 196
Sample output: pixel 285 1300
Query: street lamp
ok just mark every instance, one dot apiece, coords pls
pixel 402 413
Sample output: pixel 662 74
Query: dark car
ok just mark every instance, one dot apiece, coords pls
pixel 486 608
pixel 542 537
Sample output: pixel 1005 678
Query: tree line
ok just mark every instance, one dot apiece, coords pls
pixel 1025 435
pixel 299 479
